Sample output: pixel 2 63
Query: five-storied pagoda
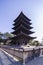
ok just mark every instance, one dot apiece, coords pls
pixel 22 27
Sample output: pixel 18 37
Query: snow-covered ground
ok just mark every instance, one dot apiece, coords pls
pixel 7 60
pixel 36 61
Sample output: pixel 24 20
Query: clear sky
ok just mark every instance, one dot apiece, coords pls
pixel 33 9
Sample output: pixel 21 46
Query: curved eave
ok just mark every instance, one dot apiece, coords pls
pixel 15 28
pixel 21 27
pixel 25 32
pixel 22 22
pixel 17 23
pixel 24 35
pixel 22 15
pixel 12 32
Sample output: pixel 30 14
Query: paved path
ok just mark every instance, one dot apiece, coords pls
pixel 6 60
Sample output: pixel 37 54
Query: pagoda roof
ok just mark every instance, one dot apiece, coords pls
pixel 22 17
pixel 21 25
pixel 23 35
pixel 23 22
pixel 24 31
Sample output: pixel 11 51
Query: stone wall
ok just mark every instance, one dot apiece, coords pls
pixel 25 54
pixel 19 52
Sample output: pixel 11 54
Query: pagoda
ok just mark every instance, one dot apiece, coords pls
pixel 22 27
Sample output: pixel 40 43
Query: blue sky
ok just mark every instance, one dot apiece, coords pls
pixel 33 9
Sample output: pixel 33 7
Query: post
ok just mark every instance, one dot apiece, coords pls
pixel 23 57
pixel 41 52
